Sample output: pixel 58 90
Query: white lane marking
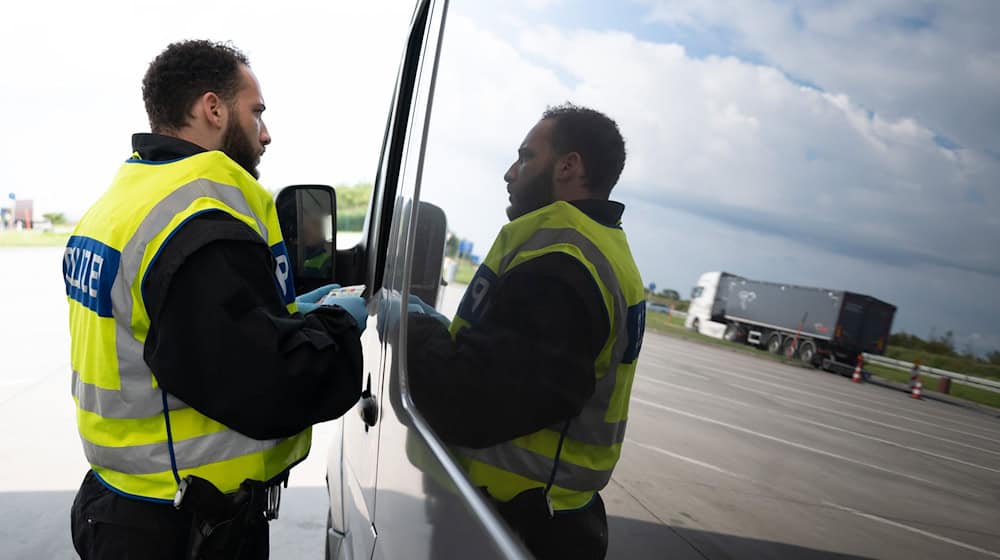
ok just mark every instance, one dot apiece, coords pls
pixel 813 393
pixel 824 426
pixel 782 441
pixel 791 378
pixel 687 459
pixel 850 416
pixel 895 444
pixel 869 420
pixel 899 525
pixel 702 361
pixel 791 373
pixel 692 374
pixel 647 355
pixel 786 374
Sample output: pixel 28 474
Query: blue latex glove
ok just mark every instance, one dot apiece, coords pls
pixel 427 310
pixel 389 308
pixel 316 295
pixel 355 305
pixel 308 302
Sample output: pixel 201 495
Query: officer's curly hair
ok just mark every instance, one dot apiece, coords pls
pixel 182 73
pixel 595 137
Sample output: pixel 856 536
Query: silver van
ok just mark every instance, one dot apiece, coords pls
pixel 395 492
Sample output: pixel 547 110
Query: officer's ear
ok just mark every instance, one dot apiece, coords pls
pixel 212 109
pixel 569 167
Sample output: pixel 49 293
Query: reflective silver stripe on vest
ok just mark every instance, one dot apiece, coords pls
pixel 535 466
pixel 110 403
pixel 137 396
pixel 189 453
pixel 590 426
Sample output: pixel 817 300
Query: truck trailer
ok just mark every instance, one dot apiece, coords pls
pixel 822 327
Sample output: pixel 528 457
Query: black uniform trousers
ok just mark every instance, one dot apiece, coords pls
pixel 107 525
pixel 578 534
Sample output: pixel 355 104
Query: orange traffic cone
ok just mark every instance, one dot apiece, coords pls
pixel 917 387
pixel 857 370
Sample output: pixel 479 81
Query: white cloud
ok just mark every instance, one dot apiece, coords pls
pixel 732 164
pixel 487 98
pixel 72 98
pixel 826 192
pixel 719 133
pixel 938 62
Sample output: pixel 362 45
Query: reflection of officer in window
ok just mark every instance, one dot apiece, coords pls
pixel 530 385
pixel 316 249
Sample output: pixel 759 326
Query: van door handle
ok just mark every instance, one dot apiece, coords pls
pixel 369 406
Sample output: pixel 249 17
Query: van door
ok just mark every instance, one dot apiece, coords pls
pixel 362 426
pixel 426 507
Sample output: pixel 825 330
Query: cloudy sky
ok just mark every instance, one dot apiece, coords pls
pixel 850 144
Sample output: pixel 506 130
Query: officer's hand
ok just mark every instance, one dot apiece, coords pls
pixel 355 305
pixel 389 311
pixel 315 295
pixel 427 309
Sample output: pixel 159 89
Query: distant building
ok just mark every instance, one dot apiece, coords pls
pixel 20 216
pixel 24 213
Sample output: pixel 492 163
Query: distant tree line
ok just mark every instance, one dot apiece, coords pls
pixel 670 298
pixel 352 205
pixel 55 218
pixel 942 345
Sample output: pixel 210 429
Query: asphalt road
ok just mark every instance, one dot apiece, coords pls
pixel 732 456
pixel 728 455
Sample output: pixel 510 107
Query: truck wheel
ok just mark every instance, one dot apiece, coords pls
pixel 787 350
pixel 774 343
pixel 732 333
pixel 807 352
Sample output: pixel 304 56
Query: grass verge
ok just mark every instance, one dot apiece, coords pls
pixel 27 238
pixel 930 384
pixel 674 326
pixel 960 364
pixel 466 270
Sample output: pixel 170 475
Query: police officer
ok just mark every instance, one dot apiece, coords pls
pixel 195 378
pixel 531 383
pixel 317 262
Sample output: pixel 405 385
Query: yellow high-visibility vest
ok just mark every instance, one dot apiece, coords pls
pixel 593 439
pixel 139 439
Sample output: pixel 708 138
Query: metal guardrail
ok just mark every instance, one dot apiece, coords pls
pixel 935 372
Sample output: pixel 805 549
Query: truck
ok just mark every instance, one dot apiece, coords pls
pixel 706 313
pixel 822 327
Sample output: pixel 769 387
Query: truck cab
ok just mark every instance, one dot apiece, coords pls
pixel 706 313
pixel 394 489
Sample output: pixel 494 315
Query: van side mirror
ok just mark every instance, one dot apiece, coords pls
pixel 428 253
pixel 308 216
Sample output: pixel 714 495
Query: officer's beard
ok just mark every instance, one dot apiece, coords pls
pixel 538 192
pixel 236 144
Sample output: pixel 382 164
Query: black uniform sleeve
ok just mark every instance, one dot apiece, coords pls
pixel 222 341
pixel 527 365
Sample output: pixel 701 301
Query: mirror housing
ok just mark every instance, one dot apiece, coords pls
pixel 428 253
pixel 307 215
